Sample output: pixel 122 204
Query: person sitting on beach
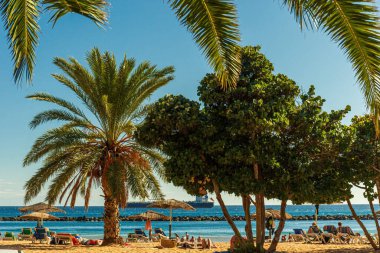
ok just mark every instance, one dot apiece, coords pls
pixel 315 230
pixel 344 232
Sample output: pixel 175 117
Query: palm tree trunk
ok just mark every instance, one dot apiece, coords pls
pixel 111 222
pixel 224 209
pixel 369 237
pixel 277 234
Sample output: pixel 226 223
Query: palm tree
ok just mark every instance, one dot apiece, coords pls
pixel 97 148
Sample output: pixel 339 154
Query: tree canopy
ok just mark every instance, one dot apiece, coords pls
pixel 215 145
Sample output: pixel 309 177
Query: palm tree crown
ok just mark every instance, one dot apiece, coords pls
pixel 97 147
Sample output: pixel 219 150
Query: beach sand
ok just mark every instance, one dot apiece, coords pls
pixel 28 247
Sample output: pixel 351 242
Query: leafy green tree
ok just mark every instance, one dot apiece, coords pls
pixel 97 147
pixel 360 167
pixel 223 146
pixel 306 156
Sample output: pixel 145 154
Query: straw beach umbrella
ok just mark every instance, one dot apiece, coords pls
pixel 149 215
pixel 39 216
pixel 42 208
pixel 171 204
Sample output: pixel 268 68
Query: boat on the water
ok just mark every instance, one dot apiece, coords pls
pixel 200 202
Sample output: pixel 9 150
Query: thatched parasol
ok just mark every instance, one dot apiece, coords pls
pixel 151 215
pixel 41 208
pixel 39 216
pixel 171 204
pixel 273 213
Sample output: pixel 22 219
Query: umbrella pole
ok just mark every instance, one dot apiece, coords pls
pixel 170 224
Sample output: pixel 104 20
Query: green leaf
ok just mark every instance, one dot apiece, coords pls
pixel 20 17
pixel 215 29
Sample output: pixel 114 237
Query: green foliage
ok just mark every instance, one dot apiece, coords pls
pixel 20 21
pixel 215 29
pixel 361 157
pixel 223 139
pixel 307 152
pixel 264 121
pixel 84 153
pixel 354 25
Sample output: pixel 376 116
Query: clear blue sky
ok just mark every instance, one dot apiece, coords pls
pixel 148 30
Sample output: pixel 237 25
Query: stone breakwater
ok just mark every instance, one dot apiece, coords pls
pixel 203 218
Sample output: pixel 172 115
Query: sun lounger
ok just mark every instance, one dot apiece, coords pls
pixel 331 232
pixel 26 234
pixel 346 235
pixel 315 236
pixel 9 236
pixel 159 231
pixel 138 235
pixel 298 236
pixel 67 239
pixel 41 235
pixel 158 234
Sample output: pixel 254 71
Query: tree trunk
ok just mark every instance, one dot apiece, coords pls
pixel 248 225
pixel 377 181
pixel 369 237
pixel 224 209
pixel 260 213
pixel 277 234
pixel 375 218
pixel 111 222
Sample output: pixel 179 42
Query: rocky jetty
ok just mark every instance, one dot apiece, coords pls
pixel 204 218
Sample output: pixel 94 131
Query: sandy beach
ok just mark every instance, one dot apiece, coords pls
pixel 28 247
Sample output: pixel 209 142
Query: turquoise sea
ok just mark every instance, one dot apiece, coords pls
pixel 216 230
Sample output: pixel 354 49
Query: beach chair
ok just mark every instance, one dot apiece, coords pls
pixel 299 236
pixel 41 235
pixel 331 232
pixel 346 235
pixel 26 234
pixel 66 238
pixel 138 235
pixel 159 231
pixel 9 236
pixel 315 236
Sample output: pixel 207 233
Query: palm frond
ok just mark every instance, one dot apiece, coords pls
pixel 20 18
pixel 215 29
pixel 56 114
pixel 355 26
pixel 92 9
pixel 61 102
